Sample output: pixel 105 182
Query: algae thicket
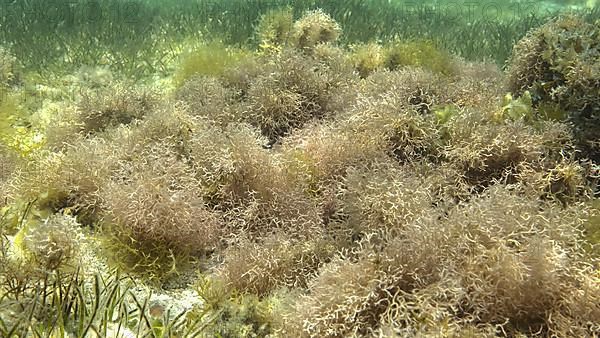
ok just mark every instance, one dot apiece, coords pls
pixel 299 169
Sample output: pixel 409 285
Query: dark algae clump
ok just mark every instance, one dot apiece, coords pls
pixel 299 169
pixel 558 64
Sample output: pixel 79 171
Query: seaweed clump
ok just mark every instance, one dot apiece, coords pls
pixel 421 54
pixel 209 59
pixel 314 28
pixel 558 64
pixel 52 243
pixel 417 282
pixel 370 57
pixel 120 103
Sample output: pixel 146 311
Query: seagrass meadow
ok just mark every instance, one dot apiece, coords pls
pixel 299 168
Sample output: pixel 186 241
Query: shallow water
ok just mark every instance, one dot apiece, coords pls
pixel 369 168
pixel 42 32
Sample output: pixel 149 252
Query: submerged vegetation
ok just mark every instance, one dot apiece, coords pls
pixel 295 170
pixel 143 37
